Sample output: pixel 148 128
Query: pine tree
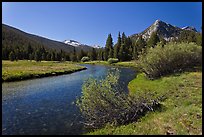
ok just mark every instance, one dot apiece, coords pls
pixel 58 56
pixel 100 54
pixel 139 46
pixel 81 54
pixel 48 57
pixel 129 48
pixel 117 47
pixel 92 54
pixel 121 53
pixel 67 58
pixel 53 56
pixel 153 40
pixel 29 49
pixel 43 56
pixel 124 49
pixel 17 54
pixel 37 56
pixel 31 56
pixel 11 56
pixel 74 56
pixel 109 47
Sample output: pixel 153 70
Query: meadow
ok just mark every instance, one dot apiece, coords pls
pixel 24 69
pixel 181 106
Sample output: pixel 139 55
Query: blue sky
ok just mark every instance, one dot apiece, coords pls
pixel 91 22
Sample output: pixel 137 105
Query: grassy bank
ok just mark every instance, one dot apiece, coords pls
pixel 121 64
pixel 23 69
pixel 181 111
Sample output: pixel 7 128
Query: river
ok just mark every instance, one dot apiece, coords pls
pixel 45 106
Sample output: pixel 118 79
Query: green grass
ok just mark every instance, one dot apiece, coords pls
pixel 97 62
pixel 121 64
pixel 23 69
pixel 181 111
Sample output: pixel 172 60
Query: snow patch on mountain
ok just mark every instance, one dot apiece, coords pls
pixel 72 43
pixel 189 28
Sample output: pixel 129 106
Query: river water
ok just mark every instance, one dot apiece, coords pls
pixel 45 106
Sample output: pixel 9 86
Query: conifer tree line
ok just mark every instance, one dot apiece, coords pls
pixel 39 53
pixel 125 49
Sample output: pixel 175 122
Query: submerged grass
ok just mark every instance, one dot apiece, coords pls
pixel 181 111
pixel 23 69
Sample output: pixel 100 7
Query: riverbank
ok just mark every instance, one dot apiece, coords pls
pixel 120 64
pixel 24 69
pixel 181 111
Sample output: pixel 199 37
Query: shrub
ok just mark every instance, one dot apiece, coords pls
pixel 112 60
pixel 103 102
pixel 84 59
pixel 171 58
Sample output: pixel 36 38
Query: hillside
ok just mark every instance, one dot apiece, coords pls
pixel 13 37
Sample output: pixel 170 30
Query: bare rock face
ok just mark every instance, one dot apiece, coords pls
pixel 163 30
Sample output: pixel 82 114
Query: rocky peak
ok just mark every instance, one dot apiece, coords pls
pixel 163 30
pixel 157 22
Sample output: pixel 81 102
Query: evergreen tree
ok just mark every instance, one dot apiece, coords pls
pixel 37 56
pixel 17 54
pixel 67 58
pixel 58 57
pixel 124 54
pixel 48 57
pixel 63 55
pixel 121 52
pixel 81 54
pixel 93 54
pixel 109 47
pixel 139 46
pixel 110 54
pixel 117 47
pixel 11 56
pixel 43 56
pixel 29 49
pixel 53 56
pixel 153 40
pixel 100 54
pixel 31 56
pixel 74 56
pixel 129 49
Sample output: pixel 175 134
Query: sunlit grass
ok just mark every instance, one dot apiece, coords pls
pixel 181 111
pixel 24 69
pixel 122 64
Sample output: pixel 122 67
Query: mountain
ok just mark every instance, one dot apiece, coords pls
pixel 163 30
pixel 13 36
pixel 78 44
